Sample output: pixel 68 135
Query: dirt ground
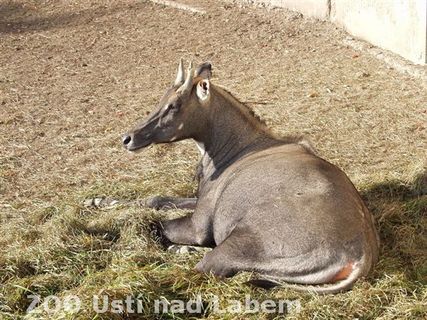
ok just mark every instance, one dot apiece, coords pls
pixel 75 75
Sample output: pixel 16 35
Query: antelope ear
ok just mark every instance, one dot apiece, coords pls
pixel 203 90
pixel 204 71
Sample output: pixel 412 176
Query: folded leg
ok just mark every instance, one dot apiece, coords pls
pixel 167 203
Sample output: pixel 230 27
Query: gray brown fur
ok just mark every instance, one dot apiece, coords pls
pixel 265 204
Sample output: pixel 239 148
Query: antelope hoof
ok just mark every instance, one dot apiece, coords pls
pixel 178 249
pixel 156 232
pixel 100 202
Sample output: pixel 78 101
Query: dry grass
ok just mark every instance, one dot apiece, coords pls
pixel 75 75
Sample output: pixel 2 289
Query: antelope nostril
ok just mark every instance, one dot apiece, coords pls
pixel 126 140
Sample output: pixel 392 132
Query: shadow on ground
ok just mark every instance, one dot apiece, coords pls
pixel 18 18
pixel 400 211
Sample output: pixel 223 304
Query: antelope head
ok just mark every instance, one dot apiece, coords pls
pixel 179 114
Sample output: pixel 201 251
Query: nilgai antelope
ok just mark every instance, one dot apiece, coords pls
pixel 266 204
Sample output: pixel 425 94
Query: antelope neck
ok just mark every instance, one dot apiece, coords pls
pixel 231 132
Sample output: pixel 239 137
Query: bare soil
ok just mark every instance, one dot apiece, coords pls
pixel 76 75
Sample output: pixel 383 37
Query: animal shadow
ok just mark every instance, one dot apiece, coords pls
pixel 400 210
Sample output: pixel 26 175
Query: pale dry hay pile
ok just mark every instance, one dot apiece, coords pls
pixel 76 75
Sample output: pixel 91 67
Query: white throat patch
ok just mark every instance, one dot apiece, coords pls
pixel 201 147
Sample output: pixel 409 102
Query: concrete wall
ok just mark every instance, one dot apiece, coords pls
pixel 396 25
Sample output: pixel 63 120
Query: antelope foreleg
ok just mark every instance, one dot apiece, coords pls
pixel 167 203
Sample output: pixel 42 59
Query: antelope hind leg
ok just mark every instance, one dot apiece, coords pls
pixel 218 262
pixel 240 251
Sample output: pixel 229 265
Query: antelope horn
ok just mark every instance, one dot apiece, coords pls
pixel 180 74
pixel 189 80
